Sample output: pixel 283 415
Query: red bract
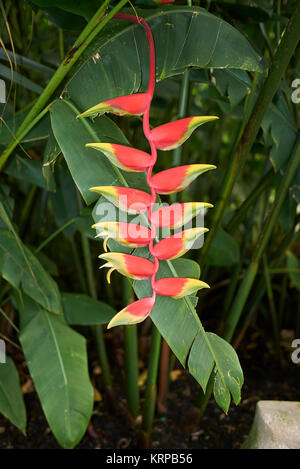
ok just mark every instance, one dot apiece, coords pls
pixel 126 158
pixel 176 179
pixel 176 215
pixel 128 234
pixel 178 244
pixel 164 137
pixel 127 199
pixel 134 267
pixel 134 313
pixel 178 287
pixel 173 134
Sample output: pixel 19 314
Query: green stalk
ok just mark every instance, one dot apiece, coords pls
pixel 131 358
pixel 97 330
pixel 53 235
pixel 131 369
pixel 150 396
pixel 271 300
pixel 94 26
pixel 263 239
pixel 27 207
pixel 78 265
pixel 244 144
pixel 183 100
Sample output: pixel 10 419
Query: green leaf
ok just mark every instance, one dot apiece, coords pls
pixel 51 153
pixel 57 360
pixel 11 398
pixel 221 393
pixel 83 310
pixel 116 64
pixel 26 170
pixel 227 365
pixel 19 79
pixel 223 250
pixel 85 8
pixel 201 362
pixel 279 123
pixel 22 269
pixel 10 124
pixel 64 200
pixel 292 262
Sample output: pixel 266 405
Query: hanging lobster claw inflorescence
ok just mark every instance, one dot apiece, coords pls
pixel 133 201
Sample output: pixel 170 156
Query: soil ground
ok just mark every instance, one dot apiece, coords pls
pixel 266 378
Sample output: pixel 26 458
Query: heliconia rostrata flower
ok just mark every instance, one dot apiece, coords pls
pixel 134 201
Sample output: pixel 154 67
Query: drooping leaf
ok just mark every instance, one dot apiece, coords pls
pixel 11 398
pixel 22 269
pixel 26 170
pixel 64 200
pixel 223 250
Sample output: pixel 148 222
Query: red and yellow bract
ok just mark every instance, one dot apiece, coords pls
pixel 173 134
pixel 126 158
pixel 176 179
pixel 127 199
pixel 178 287
pixel 131 266
pixel 131 105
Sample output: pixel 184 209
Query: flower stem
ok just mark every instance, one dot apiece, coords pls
pixel 131 358
pixel 246 140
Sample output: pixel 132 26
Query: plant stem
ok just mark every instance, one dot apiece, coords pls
pixel 242 211
pixel 131 357
pixel 263 239
pixel 78 265
pixel 183 100
pixel 164 374
pixel 94 26
pixel 246 140
pixel 53 235
pixel 131 369
pixel 272 307
pixel 150 396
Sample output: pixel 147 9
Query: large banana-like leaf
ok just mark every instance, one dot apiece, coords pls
pixel 21 268
pixel 116 63
pixel 11 398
